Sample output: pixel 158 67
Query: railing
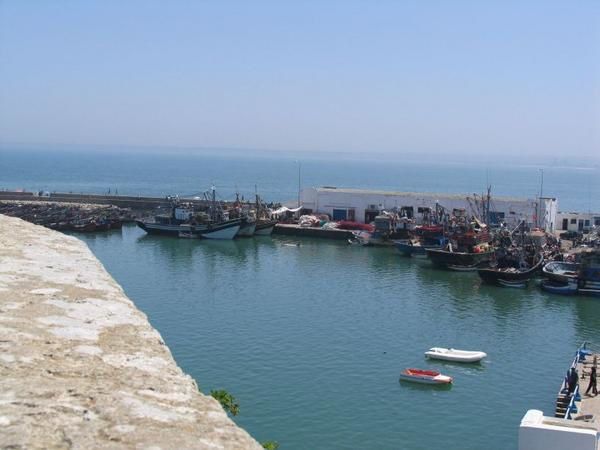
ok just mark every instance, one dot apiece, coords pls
pixel 575 397
pixel 572 408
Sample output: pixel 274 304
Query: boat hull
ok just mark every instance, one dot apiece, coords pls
pixel 407 248
pixel 164 229
pixel 267 231
pixel 504 277
pixel 265 228
pixel 444 258
pixel 225 230
pixel 559 288
pixel 221 231
pixel 453 355
pixel 560 271
pixel 425 377
pixel 515 284
pixel 246 229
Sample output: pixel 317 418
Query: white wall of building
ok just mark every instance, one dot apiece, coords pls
pixel 357 202
pixel 549 208
pixel 547 433
pixel 576 221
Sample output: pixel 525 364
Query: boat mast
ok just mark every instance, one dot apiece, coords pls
pixel 487 207
pixel 213 209
pixel 540 199
pixel 299 168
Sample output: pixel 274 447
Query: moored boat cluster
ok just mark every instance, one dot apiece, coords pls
pixel 67 216
pixel 501 256
pixel 215 222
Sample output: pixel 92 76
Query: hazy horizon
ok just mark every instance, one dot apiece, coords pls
pixel 402 79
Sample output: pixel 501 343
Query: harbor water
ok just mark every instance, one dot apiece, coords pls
pixel 311 335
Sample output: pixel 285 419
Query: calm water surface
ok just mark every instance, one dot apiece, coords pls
pixel 311 338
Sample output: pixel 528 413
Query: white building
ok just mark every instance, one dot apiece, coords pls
pixel 363 205
pixel 573 221
pixel 538 432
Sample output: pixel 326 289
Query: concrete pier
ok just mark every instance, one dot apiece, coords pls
pixel 81 367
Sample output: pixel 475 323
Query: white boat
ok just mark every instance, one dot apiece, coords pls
pixel 452 354
pixel 247 227
pixel 264 227
pixel 221 231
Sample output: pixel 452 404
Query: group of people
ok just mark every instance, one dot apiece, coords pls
pixel 573 380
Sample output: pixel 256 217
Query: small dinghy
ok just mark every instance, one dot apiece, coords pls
pixel 424 376
pixel 451 354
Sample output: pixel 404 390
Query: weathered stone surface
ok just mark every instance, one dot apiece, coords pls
pixel 80 366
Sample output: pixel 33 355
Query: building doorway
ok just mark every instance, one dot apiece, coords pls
pixel 339 214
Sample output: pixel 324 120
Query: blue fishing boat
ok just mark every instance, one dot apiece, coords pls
pixel 588 277
pixel 418 247
pixel 585 281
pixel 557 287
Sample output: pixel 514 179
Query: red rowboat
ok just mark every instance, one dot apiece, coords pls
pixel 424 376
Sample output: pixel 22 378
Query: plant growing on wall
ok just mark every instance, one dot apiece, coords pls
pixel 230 404
pixel 227 401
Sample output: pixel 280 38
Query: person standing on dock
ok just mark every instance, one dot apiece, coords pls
pixel 592 385
pixel 572 379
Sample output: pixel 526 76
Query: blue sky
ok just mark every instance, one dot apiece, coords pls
pixel 404 76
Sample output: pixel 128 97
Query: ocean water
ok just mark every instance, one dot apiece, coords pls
pixel 276 175
pixel 311 338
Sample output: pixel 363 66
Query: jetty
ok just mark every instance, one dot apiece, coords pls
pixel 80 365
pixel 135 203
pixel 576 421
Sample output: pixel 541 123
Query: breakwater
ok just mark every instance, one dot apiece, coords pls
pixel 80 366
pixel 68 216
pixel 122 201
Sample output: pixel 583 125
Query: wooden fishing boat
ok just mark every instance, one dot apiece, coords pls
pixel 84 227
pixel 506 276
pixel 425 377
pixel 183 219
pixel 452 354
pixel 445 258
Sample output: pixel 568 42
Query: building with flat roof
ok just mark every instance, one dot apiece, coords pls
pixel 575 221
pixel 363 205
